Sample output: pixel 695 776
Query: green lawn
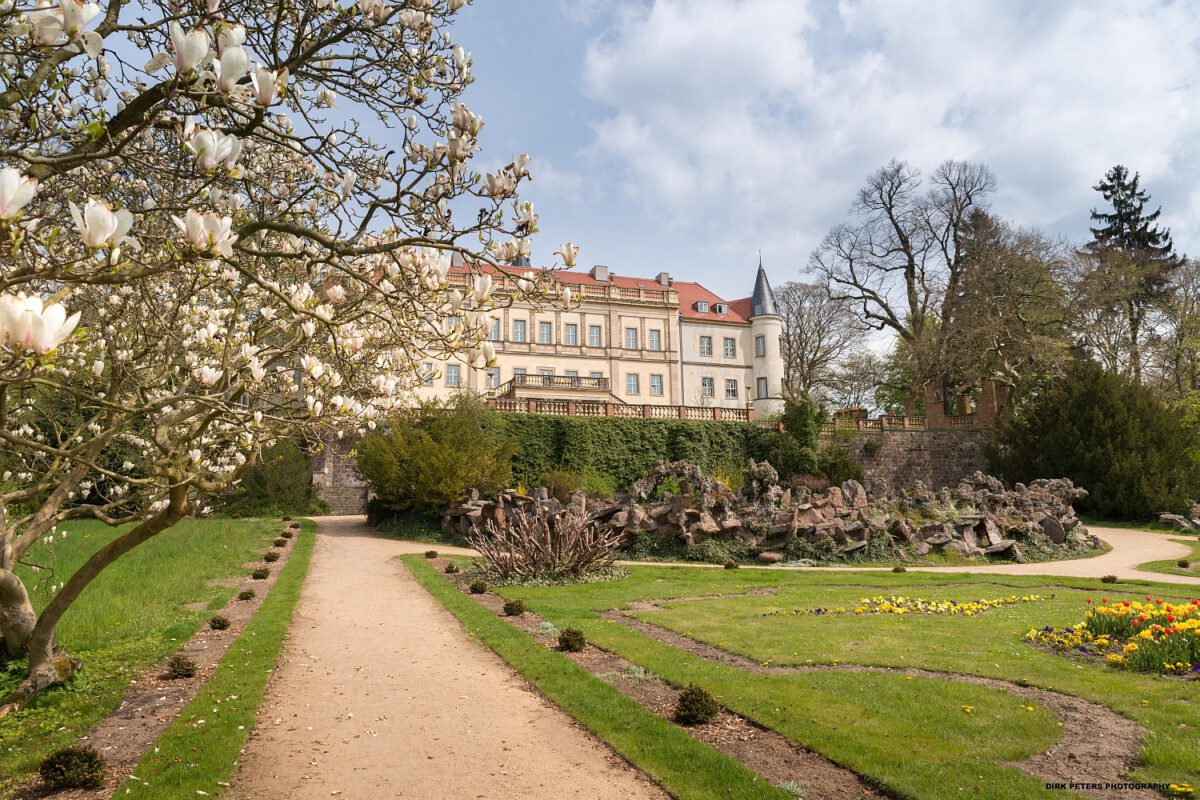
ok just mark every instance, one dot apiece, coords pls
pixel 909 734
pixel 1171 566
pixel 130 618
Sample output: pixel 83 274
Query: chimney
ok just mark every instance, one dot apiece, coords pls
pixel 663 278
pixel 599 273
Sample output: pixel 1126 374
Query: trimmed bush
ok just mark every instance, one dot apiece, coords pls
pixel 478 587
pixel 1117 439
pixel 74 767
pixel 270 557
pixel 261 574
pixel 695 706
pixel 731 564
pixel 514 608
pixel 180 667
pixel 280 542
pixel 1184 563
pixel 286 535
pixel 1109 579
pixel 430 458
pixel 219 623
pixel 247 594
pixel 571 640
pixel 451 568
pixel 899 568
pixel 431 553
pixel 278 481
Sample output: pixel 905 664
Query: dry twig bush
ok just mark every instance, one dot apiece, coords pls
pixel 537 544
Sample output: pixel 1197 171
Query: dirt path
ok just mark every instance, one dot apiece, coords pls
pixel 380 693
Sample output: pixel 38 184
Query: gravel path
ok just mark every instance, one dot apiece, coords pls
pixel 380 693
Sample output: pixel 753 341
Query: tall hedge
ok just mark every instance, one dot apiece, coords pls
pixel 625 449
pixel 1113 437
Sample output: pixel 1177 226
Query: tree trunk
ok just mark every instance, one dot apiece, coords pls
pixel 1135 349
pixel 48 667
pixel 17 617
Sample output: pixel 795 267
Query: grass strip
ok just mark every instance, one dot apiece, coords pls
pixel 683 765
pixel 1169 566
pixel 198 753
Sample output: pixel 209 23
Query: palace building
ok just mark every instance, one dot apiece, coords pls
pixel 656 347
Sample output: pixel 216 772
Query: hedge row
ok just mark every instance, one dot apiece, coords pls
pixel 626 449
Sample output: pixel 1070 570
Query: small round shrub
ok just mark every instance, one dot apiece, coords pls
pixel 431 553
pixel 571 640
pixel 1184 563
pixel 286 518
pixel 218 623
pixel 286 534
pixel 731 564
pixel 260 574
pixel 696 706
pixel 180 666
pixel 74 768
pixel 270 557
pixel 280 542
pixel 247 594
pixel 899 568
pixel 451 568
pixel 514 608
pixel 478 587
pixel 1109 579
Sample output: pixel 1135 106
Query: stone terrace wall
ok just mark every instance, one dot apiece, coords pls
pixel 337 482
pixel 937 458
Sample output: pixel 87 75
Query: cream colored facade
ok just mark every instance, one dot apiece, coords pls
pixel 631 341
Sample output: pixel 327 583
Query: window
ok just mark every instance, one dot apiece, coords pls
pixel 545 371
pixel 427 374
pixel 721 308
pixel 706 345
pixel 631 339
pixel 655 338
pixel 494 333
pixel 518 371
pixel 518 330
pixel 702 306
pixel 762 388
pixel 731 388
pixel 571 373
pixel 453 322
pixel 594 339
pixel 656 385
pixel 493 378
pixel 760 346
pixel 730 348
pixel 632 384
pixel 545 333
pixel 453 375
pixel 707 387
pixel 595 374
pixel 571 333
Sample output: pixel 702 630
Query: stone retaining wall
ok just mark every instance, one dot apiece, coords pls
pixel 935 457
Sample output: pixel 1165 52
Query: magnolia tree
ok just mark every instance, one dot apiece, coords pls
pixel 204 251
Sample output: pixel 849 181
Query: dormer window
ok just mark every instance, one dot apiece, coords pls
pixel 721 309
pixel 702 306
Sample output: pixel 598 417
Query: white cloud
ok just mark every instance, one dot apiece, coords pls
pixel 752 123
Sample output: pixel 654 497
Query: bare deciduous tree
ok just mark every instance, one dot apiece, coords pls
pixel 819 333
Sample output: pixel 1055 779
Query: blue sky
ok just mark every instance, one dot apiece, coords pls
pixel 686 135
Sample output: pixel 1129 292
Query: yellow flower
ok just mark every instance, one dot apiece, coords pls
pixel 968 709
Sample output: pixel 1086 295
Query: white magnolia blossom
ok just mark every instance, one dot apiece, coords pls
pixel 26 323
pixel 268 84
pixel 191 48
pixel 567 253
pixel 99 225
pixel 213 149
pixel 16 190
pixel 207 232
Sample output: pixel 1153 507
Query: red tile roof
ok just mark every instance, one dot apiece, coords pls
pixel 689 292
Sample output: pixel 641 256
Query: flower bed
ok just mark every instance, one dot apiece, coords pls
pixel 913 605
pixel 1145 636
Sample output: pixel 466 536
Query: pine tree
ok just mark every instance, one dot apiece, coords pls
pixel 1135 257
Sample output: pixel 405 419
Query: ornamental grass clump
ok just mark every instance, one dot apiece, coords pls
pixel 280 542
pixel 431 554
pixel 478 587
pixel 179 667
pixel 1109 579
pixel 286 534
pixel 219 623
pixel 514 608
pixel 451 568
pixel 74 767
pixel 571 640
pixel 260 574
pixel 696 706
pixel 270 557
pixel 247 594
pixel 537 544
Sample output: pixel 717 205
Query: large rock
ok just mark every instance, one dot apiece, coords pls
pixel 1053 529
pixel 854 494
pixel 1175 522
pixel 769 557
